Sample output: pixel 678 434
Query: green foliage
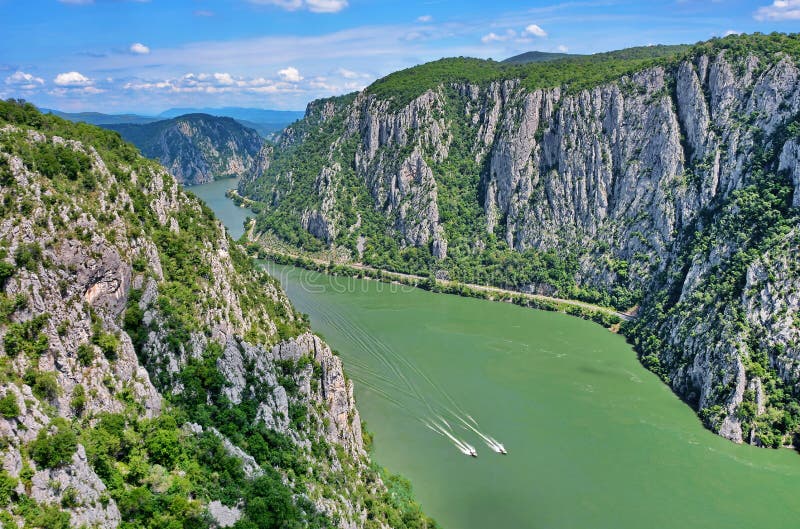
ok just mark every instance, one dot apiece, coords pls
pixel 47 517
pixel 9 305
pixel 27 337
pixel 70 498
pixel 108 343
pixel 85 354
pixel 7 486
pixel 78 401
pixel 109 144
pixel 55 160
pixel 43 383
pixel 28 255
pixel 574 72
pixel 752 220
pixel 133 321
pixel 51 450
pixel 6 271
pixel 269 505
pixel 9 408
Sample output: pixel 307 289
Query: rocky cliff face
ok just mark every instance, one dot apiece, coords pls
pixel 655 185
pixel 199 148
pixel 126 310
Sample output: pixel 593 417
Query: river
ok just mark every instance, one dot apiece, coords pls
pixel 595 441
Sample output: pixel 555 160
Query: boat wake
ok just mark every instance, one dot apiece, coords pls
pixel 397 379
pixel 464 447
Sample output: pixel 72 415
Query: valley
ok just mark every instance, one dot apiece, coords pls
pixel 341 264
pixel 594 439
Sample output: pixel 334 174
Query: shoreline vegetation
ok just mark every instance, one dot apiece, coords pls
pixel 605 316
pixel 259 248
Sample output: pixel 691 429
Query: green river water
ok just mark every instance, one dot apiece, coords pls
pixel 594 440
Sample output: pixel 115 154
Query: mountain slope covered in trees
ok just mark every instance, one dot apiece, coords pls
pixel 199 148
pixel 151 375
pixel 661 178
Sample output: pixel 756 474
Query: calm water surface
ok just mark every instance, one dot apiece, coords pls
pixel 594 440
pixel 229 213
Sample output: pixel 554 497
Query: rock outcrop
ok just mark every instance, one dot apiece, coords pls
pixel 655 184
pixel 126 305
pixel 200 148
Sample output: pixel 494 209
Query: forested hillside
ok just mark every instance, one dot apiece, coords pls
pixel 663 179
pixel 151 375
pixel 199 148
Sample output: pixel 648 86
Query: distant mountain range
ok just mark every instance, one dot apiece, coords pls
pixel 97 118
pixel 266 122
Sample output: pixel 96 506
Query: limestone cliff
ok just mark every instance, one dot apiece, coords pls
pixel 672 185
pixel 198 148
pixel 150 371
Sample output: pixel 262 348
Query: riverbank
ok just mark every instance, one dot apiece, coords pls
pixel 607 317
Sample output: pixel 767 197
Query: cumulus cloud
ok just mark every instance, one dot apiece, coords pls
pixel 535 30
pixel 315 6
pixel 139 49
pixel 425 19
pixel 290 74
pixel 350 74
pixel 224 79
pixel 72 79
pixel 732 32
pixel 779 10
pixel 24 81
pixel 494 37
pixel 562 48
pixel 213 83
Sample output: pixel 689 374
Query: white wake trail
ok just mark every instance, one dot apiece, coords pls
pixel 492 443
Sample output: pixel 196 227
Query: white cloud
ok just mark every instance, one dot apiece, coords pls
pixel 290 74
pixel 224 79
pixel 510 34
pixel 139 49
pixel 315 6
pixel 562 48
pixel 425 19
pixel 350 74
pixel 326 6
pixel 535 30
pixel 24 81
pixel 71 92
pixel 779 10
pixel 203 13
pixel 216 83
pixel 72 79
pixel 491 37
pixel 732 32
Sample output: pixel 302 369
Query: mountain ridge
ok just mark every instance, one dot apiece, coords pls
pixel 152 375
pixel 199 148
pixel 613 178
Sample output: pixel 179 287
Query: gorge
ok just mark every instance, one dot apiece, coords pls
pixel 661 180
pixel 585 424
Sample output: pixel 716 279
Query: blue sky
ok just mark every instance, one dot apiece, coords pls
pixel 148 55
